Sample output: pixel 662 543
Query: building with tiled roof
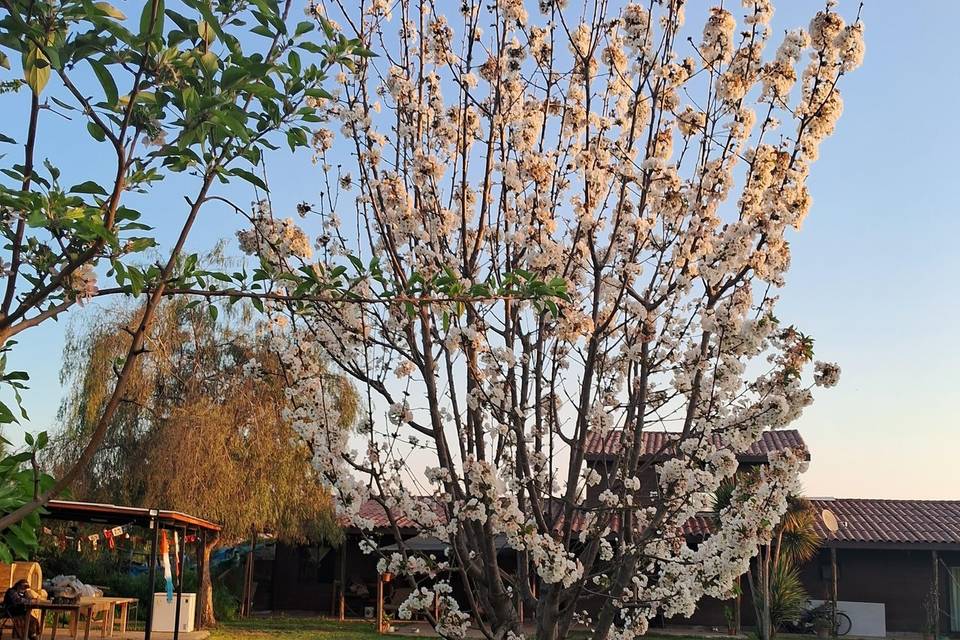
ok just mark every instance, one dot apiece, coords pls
pixel 866 521
pixel 659 443
pixel 890 555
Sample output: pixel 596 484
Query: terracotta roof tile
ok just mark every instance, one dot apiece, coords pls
pixel 656 442
pixel 862 521
pixel 374 511
pixel 872 521
pixel 698 526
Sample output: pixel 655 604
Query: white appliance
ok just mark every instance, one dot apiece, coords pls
pixel 867 619
pixel 165 613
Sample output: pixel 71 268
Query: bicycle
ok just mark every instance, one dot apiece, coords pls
pixel 820 617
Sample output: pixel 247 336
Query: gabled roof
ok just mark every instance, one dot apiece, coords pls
pixel 866 522
pixel 863 522
pixel 655 443
pixel 699 525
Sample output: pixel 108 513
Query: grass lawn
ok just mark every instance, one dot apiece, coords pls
pixel 306 628
pixel 296 628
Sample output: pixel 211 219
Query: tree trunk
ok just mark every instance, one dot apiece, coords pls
pixel 548 614
pixel 760 593
pixel 608 612
pixel 207 616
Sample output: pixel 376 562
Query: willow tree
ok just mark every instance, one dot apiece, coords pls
pixel 200 429
pixel 567 222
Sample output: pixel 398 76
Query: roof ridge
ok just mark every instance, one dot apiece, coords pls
pixel 900 500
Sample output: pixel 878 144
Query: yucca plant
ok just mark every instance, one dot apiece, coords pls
pixel 797 537
pixel 774 577
pixel 788 598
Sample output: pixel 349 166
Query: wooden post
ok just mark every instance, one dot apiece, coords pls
pixel 379 603
pixel 738 621
pixel 936 594
pixel 833 590
pixel 343 580
pixel 181 557
pixel 246 602
pixel 198 612
pixel 152 575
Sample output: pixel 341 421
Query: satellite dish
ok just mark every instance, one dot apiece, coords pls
pixel 829 521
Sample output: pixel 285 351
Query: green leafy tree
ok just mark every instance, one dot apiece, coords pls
pixel 21 479
pixel 201 89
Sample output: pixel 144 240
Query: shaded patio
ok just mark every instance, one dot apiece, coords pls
pixel 154 521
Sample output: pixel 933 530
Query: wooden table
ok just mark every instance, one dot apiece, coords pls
pixel 43 606
pixel 113 606
pixel 109 606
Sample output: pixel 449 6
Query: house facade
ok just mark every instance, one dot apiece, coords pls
pixel 892 556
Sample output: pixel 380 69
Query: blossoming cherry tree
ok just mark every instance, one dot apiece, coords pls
pixel 562 223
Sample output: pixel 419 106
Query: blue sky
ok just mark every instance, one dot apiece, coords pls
pixel 874 277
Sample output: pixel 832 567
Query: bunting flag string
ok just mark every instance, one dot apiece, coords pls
pixel 112 535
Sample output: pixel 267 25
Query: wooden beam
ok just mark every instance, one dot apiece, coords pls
pixel 152 576
pixel 738 610
pixel 936 594
pixel 342 605
pixel 833 590
pixel 380 625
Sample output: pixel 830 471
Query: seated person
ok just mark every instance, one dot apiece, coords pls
pixel 15 601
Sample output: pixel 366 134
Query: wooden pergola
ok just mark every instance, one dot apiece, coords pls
pixel 153 520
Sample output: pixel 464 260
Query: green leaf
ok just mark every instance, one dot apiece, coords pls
pixel 191 100
pixel 210 19
pixel 90 187
pixel 4 60
pixel 147 17
pixel 249 177
pixel 296 138
pixel 210 61
pixel 18 546
pixel 6 416
pixel 110 10
pixel 206 32
pixel 303 27
pixel 36 69
pixel 106 81
pixel 94 129
pixel 63 105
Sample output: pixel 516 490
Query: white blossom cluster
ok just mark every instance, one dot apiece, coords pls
pixel 82 283
pixel 658 183
pixel 272 239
